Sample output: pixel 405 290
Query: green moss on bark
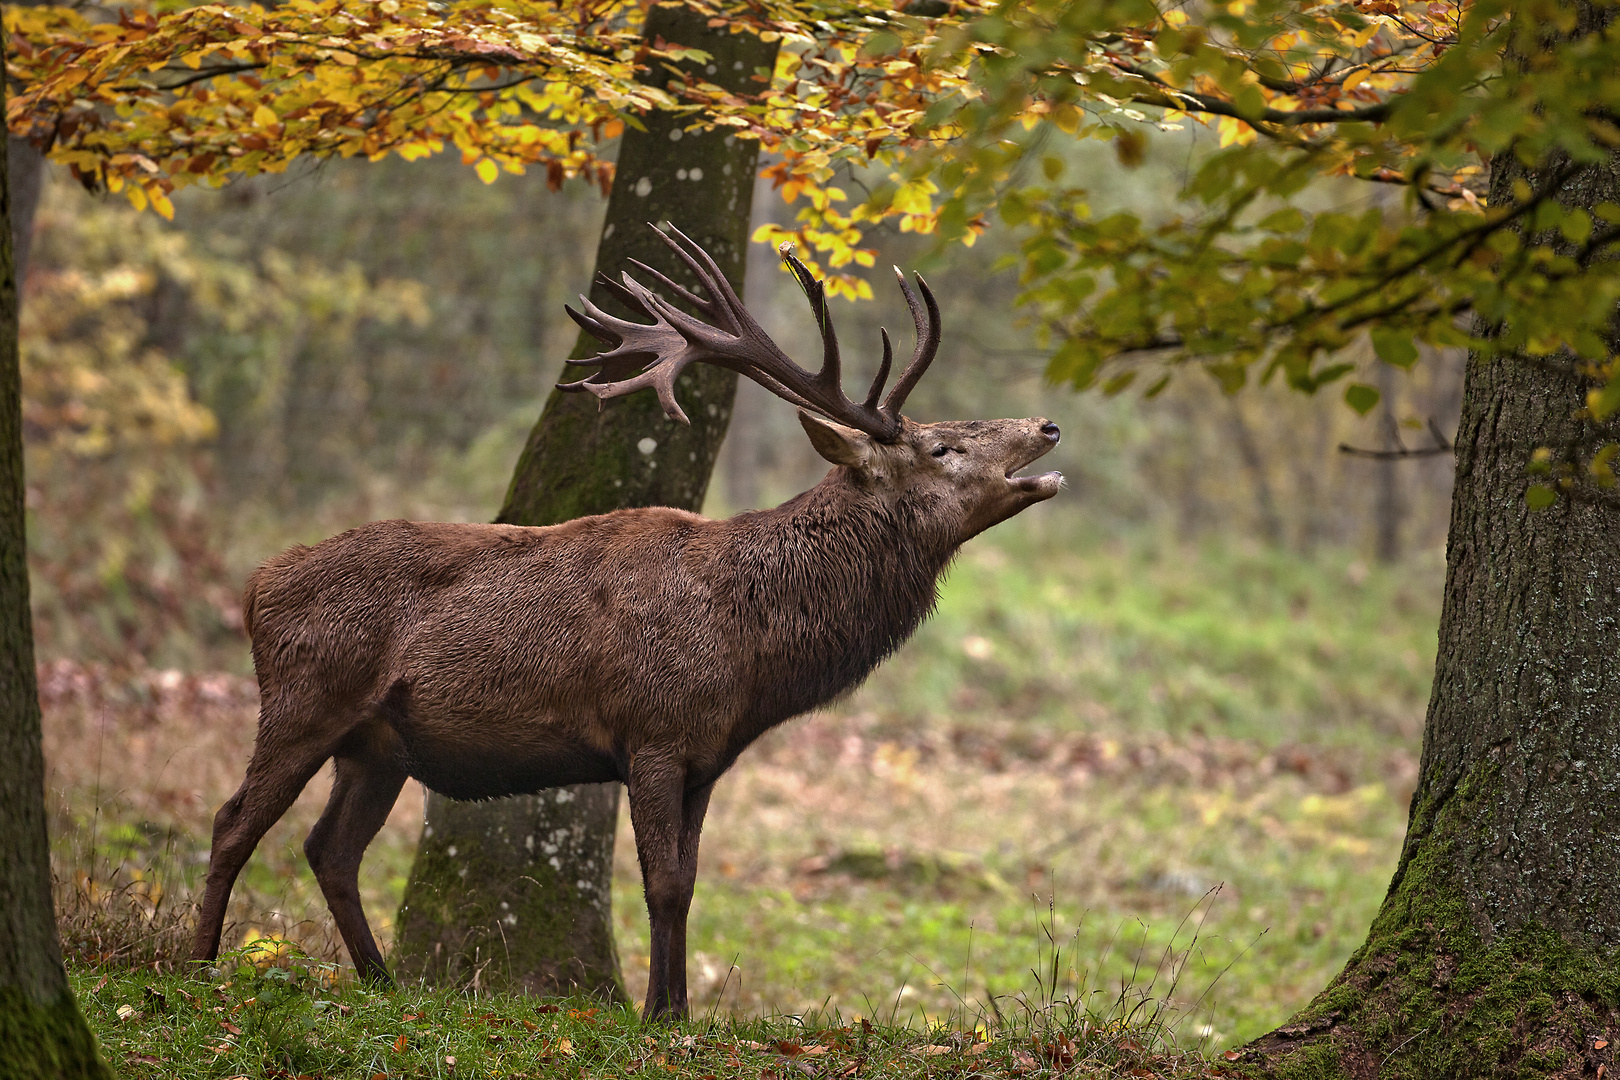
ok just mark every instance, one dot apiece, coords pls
pixel 1429 995
pixel 46 1042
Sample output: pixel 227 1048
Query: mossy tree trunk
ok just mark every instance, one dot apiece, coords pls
pixel 518 892
pixel 1495 952
pixel 42 1033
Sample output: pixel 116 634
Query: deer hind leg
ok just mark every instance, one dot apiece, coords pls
pixel 275 775
pixel 362 795
pixel 656 785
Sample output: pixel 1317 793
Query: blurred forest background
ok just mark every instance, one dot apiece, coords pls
pixel 1205 662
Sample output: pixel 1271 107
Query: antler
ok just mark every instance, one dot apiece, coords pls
pixel 640 355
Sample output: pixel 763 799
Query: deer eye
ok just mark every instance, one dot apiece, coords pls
pixel 941 451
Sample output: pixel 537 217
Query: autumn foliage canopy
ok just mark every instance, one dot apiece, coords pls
pixel 1345 191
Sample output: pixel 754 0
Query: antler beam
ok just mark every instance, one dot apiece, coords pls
pixel 641 355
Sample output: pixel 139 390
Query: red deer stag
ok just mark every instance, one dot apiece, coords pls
pixel 646 646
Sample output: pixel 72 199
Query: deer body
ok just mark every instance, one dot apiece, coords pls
pixel 527 656
pixel 647 646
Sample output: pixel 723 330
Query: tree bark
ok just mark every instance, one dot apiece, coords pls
pixel 518 892
pixel 42 1033
pixel 1494 953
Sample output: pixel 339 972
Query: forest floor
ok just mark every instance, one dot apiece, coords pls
pixel 1107 773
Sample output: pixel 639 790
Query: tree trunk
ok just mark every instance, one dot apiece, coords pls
pixel 1254 463
pixel 1387 508
pixel 1494 954
pixel 41 1032
pixel 517 892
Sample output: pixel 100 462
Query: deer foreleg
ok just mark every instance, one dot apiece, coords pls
pixel 362 795
pixel 695 806
pixel 657 804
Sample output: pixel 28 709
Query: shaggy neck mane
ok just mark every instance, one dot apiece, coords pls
pixel 828 584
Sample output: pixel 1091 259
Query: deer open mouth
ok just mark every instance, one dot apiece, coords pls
pixel 1045 483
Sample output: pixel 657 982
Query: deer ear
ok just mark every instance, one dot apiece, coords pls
pixel 838 444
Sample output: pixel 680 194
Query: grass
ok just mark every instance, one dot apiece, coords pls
pixel 1088 738
pixel 270 1011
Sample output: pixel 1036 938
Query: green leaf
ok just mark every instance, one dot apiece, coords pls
pixel 1394 346
pixel 1361 397
pixel 1249 102
pixel 1540 496
pixel 1118 383
pixel 1576 226
pixel 1287 220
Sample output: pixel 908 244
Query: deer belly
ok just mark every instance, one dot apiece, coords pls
pixel 485 771
pixel 488 754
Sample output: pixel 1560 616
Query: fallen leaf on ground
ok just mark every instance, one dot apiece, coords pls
pixel 931 1049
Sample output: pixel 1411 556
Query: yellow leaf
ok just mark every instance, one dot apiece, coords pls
pixel 487 170
pixel 1355 79
pixel 264 116
pixel 137 197
pixel 161 203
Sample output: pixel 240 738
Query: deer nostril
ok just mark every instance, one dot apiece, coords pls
pixel 1050 430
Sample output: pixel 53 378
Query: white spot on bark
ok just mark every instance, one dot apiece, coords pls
pixel 676 134
pixel 643 187
pixel 646 446
pixel 510 920
pixel 564 795
pixel 505 906
pixel 725 170
pixel 452 851
pixel 695 174
pixel 736 65
pixel 680 174
pixel 693 455
pixel 710 70
pixel 528 843
pixel 607 232
pixel 556 863
pixel 714 410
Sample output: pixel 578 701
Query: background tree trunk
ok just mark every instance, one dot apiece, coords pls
pixel 1495 951
pixel 42 1033
pixel 518 892
pixel 1387 508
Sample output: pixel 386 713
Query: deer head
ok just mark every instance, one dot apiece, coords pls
pixel 963 472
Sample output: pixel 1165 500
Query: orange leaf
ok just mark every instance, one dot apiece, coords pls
pixel 400 1044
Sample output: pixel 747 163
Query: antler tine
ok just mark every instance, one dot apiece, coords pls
pixel 706 306
pixel 831 374
pixel 928 332
pixel 882 371
pixel 727 305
